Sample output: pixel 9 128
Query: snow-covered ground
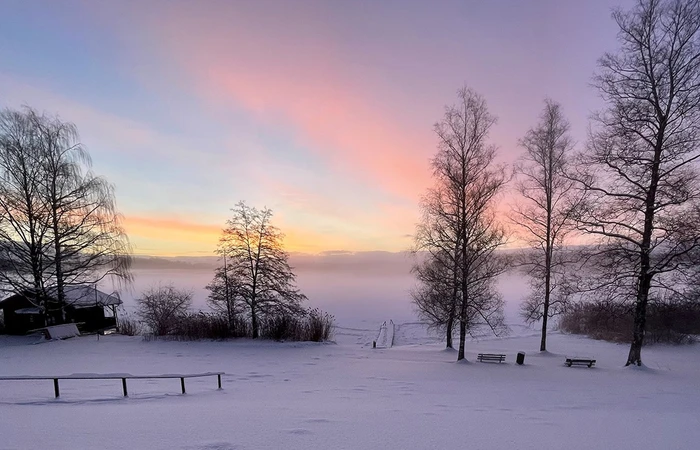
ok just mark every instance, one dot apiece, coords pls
pixel 348 396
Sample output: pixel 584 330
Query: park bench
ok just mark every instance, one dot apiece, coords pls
pixel 491 357
pixel 116 376
pixel 580 362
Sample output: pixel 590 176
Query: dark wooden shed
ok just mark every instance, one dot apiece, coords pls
pixel 85 306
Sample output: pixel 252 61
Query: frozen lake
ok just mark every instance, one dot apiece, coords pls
pixel 358 292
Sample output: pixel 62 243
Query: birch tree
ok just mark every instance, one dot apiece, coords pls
pixel 639 172
pixel 435 297
pixel 88 242
pixel 437 242
pixel 257 264
pixel 543 212
pixel 461 224
pixel 59 225
pixel 223 296
pixel 23 214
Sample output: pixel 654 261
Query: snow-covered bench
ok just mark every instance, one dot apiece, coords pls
pixel 579 362
pixel 491 357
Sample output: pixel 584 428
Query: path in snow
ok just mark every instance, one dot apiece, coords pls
pixel 385 339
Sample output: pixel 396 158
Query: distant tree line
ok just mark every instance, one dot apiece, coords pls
pixel 59 225
pixel 631 195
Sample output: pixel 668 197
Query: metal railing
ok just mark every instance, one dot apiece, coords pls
pixel 122 377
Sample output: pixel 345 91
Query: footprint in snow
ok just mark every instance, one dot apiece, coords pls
pixel 319 420
pixel 216 446
pixel 299 431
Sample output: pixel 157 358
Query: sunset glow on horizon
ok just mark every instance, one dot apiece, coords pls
pixel 319 110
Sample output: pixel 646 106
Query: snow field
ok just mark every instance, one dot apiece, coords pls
pixel 349 396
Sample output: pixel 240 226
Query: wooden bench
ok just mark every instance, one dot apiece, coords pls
pixel 116 376
pixel 579 362
pixel 491 357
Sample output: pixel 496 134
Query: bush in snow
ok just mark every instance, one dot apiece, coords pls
pixel 161 308
pixel 319 326
pixel 314 325
pixel 129 326
pixel 667 321
pixel 201 325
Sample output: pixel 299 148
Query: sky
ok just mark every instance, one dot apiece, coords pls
pixel 320 110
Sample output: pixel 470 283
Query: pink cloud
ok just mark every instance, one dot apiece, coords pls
pixel 292 80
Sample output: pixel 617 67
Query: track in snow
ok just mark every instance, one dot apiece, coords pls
pixel 385 339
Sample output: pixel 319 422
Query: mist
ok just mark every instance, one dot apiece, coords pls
pixel 360 289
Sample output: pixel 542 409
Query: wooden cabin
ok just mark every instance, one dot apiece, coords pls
pixel 86 306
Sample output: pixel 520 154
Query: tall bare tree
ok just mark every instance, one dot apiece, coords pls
pixel 223 296
pixel 259 272
pixel 437 248
pixel 23 214
pixel 58 222
pixel 89 243
pixel 435 297
pixel 543 212
pixel 459 225
pixel 640 171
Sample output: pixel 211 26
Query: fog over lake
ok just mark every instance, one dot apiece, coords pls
pixel 359 289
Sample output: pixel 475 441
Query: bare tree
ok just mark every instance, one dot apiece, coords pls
pixel 58 222
pixel 23 214
pixel 160 308
pixel 435 297
pixel 223 295
pixel 437 248
pixel 257 266
pixel 458 224
pixel 639 172
pixel 543 213
pixel 89 243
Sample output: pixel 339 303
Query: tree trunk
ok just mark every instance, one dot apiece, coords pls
pixel 254 322
pixel 462 338
pixel 58 260
pixel 455 291
pixel 450 327
pixel 549 246
pixel 543 342
pixel 547 284
pixel 230 307
pixel 462 262
pixel 640 311
pixel 465 298
pixel 640 319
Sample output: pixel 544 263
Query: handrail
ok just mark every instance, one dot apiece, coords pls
pixel 107 376
pixel 111 376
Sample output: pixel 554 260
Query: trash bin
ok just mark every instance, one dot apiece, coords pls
pixel 520 359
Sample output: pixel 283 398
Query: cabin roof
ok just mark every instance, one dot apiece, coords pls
pixel 81 296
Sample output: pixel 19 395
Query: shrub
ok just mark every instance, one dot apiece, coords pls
pixel 201 325
pixel 319 326
pixel 313 325
pixel 162 307
pixel 129 326
pixel 674 322
pixel 281 328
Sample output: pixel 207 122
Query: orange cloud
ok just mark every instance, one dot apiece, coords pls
pixel 150 225
pixel 173 237
pixel 167 236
